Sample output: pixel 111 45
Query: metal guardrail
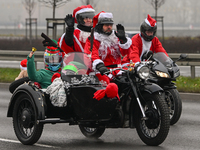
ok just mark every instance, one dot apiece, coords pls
pixel 192 60
pixel 15 55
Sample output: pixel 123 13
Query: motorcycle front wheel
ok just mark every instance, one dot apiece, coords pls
pixel 25 124
pixel 94 133
pixel 153 129
pixel 174 103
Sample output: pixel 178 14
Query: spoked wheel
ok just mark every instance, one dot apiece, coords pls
pixel 92 132
pixel 174 103
pixel 153 129
pixel 25 120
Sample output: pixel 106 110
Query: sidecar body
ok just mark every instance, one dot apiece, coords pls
pixel 79 88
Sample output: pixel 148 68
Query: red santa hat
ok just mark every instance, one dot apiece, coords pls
pixel 111 91
pixel 102 15
pixel 23 64
pixel 82 9
pixel 150 21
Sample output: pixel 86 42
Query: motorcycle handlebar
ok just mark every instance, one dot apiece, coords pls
pixel 111 70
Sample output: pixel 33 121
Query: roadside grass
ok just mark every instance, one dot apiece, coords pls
pixel 8 75
pixel 184 84
pixel 187 84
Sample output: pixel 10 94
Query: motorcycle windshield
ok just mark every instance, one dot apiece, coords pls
pixel 163 58
pixel 76 63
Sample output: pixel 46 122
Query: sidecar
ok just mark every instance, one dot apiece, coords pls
pixel 31 107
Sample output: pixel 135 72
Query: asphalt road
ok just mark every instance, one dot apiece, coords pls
pixel 182 136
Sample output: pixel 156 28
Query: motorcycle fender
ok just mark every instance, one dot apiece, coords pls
pixel 152 88
pixel 169 86
pixel 35 94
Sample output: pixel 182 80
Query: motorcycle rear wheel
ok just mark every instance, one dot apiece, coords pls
pixel 153 130
pixel 94 133
pixel 174 102
pixel 25 124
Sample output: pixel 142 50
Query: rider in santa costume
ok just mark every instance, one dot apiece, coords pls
pixel 75 39
pixel 108 45
pixel 143 42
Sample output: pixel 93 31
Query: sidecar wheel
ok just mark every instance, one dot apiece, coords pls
pixel 154 129
pixel 92 132
pixel 25 124
pixel 17 83
pixel 174 103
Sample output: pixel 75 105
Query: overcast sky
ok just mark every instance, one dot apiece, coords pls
pixel 176 13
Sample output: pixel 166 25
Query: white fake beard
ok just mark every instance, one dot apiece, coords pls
pixel 83 36
pixel 110 42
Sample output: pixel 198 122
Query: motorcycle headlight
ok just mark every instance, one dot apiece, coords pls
pixel 162 74
pixel 143 72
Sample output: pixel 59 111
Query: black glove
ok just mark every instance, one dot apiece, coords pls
pixel 101 68
pixel 121 33
pixel 69 20
pixel 49 43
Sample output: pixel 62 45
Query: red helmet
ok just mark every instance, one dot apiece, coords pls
pixel 149 24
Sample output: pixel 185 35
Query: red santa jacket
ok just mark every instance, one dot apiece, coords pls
pixel 140 46
pixel 107 49
pixel 79 41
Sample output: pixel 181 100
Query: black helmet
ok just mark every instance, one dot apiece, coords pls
pixel 148 25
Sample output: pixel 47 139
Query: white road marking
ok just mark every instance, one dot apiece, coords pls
pixel 13 141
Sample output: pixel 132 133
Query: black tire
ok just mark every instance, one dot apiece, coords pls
pixel 25 124
pixel 154 129
pixel 17 83
pixel 174 102
pixel 93 133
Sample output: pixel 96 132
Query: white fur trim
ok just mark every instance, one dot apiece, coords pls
pixel 105 15
pixel 127 44
pixel 147 21
pixel 84 10
pixel 61 40
pixel 24 68
pixel 79 44
pixel 95 63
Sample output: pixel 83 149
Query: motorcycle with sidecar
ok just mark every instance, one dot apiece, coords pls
pixel 141 105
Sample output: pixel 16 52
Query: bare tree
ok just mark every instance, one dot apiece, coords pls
pixel 156 4
pixel 91 2
pixel 53 3
pixel 29 6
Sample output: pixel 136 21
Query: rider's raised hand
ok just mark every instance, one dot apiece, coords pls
pixel 120 33
pixel 69 20
pixel 31 54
